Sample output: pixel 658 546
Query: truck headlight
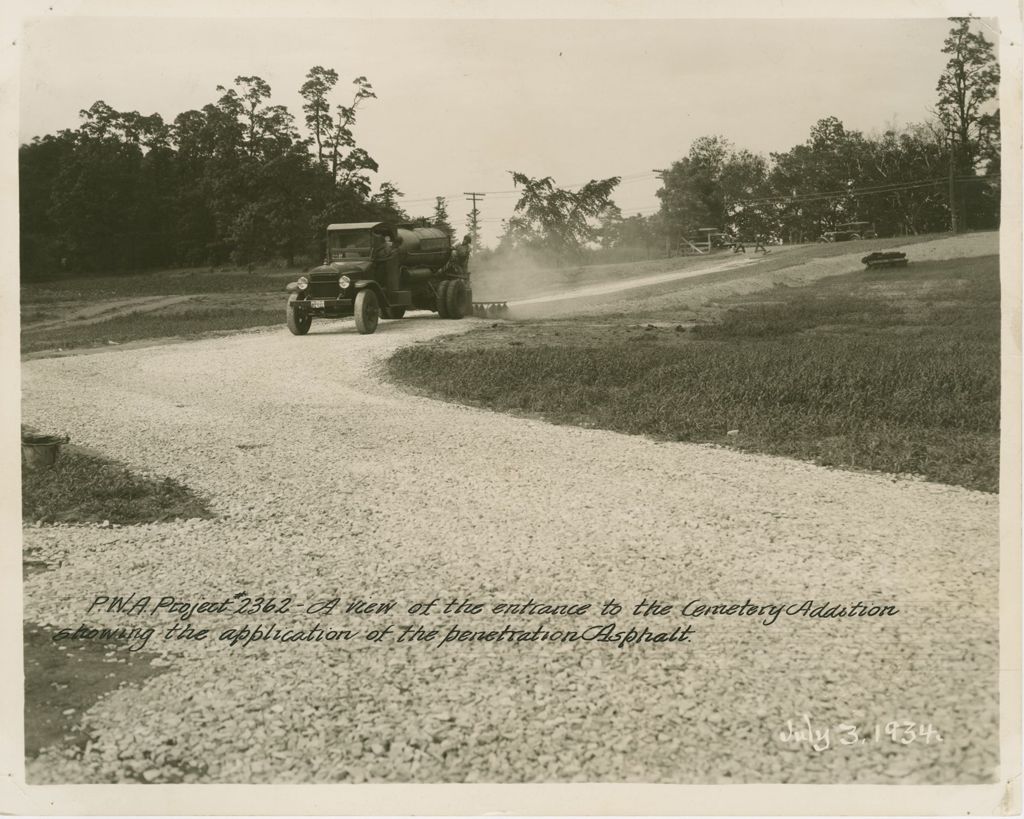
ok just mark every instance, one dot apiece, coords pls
pixel 344 282
pixel 302 283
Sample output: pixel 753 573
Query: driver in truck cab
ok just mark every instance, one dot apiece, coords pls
pixel 383 251
pixel 383 248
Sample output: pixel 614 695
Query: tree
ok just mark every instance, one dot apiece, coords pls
pixel 385 202
pixel 691 194
pixel 744 183
pixel 968 84
pixel 716 186
pixel 233 180
pixel 344 155
pixel 558 220
pixel 969 81
pixel 632 234
pixel 39 165
pixel 319 83
pixel 895 163
pixel 441 216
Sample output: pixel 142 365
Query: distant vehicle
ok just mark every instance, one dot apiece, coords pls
pixel 849 231
pixel 377 269
pixel 710 239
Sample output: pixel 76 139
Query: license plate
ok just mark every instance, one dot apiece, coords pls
pixel 317 304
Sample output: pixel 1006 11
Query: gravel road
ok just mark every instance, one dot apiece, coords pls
pixel 329 483
pixel 693 286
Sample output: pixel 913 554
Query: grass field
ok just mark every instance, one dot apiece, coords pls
pixel 216 315
pixel 894 370
pixel 158 283
pixel 86 488
pixel 71 313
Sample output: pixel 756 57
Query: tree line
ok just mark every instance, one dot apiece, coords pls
pixel 231 183
pixel 236 182
pixel 927 177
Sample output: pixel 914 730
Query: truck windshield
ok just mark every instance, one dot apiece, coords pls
pixel 343 244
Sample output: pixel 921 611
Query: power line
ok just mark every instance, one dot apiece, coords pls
pixel 834 194
pixel 659 173
pixel 808 197
pixel 623 180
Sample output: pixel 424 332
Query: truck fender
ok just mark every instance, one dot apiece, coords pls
pixel 376 288
pixel 292 286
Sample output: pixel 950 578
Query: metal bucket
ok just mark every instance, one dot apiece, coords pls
pixel 38 451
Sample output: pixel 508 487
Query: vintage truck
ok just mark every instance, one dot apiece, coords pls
pixel 849 232
pixel 377 270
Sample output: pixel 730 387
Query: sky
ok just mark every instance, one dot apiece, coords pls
pixel 461 103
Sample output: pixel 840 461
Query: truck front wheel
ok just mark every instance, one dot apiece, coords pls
pixel 367 310
pixel 456 299
pixel 442 299
pixel 299 325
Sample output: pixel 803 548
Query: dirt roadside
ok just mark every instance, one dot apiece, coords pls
pixel 690 289
pixel 99 311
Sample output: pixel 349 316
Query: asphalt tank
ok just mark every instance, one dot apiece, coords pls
pixel 423 247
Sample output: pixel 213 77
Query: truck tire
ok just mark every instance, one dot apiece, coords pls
pixel 396 312
pixel 442 299
pixel 299 326
pixel 456 299
pixel 367 310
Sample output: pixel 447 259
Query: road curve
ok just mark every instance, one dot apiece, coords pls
pixel 329 482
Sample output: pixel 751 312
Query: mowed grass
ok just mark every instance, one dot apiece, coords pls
pixel 182 282
pixel 894 370
pixel 85 488
pixel 159 324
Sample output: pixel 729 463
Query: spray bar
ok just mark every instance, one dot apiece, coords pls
pixel 490 309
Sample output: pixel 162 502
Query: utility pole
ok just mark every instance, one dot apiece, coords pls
pixel 474 221
pixel 660 173
pixel 954 210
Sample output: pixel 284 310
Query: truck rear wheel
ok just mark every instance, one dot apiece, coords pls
pixel 396 312
pixel 455 299
pixel 367 310
pixel 299 325
pixel 442 299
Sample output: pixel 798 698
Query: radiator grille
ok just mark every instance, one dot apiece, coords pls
pixel 323 290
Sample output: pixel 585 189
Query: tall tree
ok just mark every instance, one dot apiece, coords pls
pixel 966 88
pixel 441 215
pixel 319 83
pixel 344 154
pixel 559 220
pixel 969 81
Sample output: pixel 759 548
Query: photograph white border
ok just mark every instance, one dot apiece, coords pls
pixel 530 799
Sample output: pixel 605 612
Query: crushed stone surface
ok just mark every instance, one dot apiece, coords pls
pixel 330 483
pixel 692 286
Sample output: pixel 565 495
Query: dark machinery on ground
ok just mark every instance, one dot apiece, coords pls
pixel 377 270
pixel 886 259
pixel 490 309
